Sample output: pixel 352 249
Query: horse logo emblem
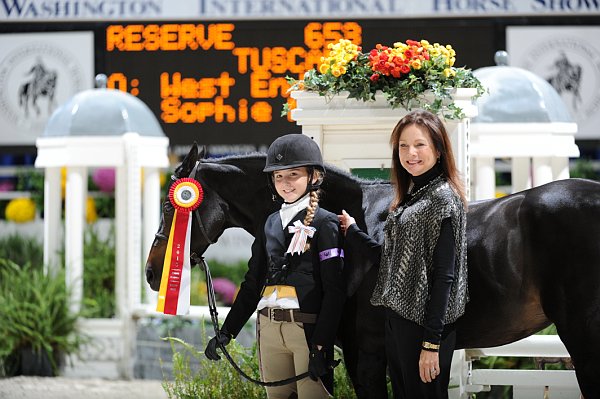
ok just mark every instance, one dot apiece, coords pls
pixel 567 78
pixel 41 83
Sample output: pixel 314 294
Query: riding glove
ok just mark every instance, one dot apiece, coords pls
pixel 317 363
pixel 221 339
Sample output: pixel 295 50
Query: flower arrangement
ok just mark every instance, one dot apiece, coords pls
pixel 403 72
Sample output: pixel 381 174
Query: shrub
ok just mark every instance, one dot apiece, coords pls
pixel 34 309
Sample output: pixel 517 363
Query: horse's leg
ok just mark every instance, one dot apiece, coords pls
pixel 363 342
pixel 577 320
pixel 34 104
pixel 569 267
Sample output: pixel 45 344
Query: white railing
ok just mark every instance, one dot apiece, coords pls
pixel 526 383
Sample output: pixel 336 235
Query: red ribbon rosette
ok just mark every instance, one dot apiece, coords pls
pixel 186 194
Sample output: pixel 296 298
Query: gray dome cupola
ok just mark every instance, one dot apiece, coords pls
pixel 516 95
pixel 102 112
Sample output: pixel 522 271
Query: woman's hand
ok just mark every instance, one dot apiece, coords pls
pixel 345 221
pixel 429 365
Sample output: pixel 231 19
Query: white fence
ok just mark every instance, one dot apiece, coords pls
pixel 527 384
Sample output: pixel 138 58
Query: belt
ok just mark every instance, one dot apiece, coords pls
pixel 280 315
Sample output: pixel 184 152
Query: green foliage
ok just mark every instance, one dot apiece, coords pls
pixel 584 169
pixel 35 314
pixel 194 376
pixel 21 250
pixel 33 181
pixel 232 271
pixel 99 273
pixel 105 205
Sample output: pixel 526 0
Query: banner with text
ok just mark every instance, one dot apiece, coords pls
pixel 131 10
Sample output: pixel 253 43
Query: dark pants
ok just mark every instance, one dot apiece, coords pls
pixel 403 340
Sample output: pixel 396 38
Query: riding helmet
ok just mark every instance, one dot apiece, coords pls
pixel 292 151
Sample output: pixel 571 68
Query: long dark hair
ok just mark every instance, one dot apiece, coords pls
pixel 441 142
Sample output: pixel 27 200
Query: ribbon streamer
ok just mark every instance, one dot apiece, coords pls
pixel 174 292
pixel 301 234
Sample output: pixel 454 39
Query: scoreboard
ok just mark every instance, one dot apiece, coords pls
pixel 223 84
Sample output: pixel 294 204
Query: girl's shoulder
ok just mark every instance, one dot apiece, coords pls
pixel 323 215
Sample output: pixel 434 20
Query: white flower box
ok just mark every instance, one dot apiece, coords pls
pixel 355 134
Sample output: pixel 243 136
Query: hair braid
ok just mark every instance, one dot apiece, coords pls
pixel 310 212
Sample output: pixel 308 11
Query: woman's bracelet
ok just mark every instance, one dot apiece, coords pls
pixel 428 346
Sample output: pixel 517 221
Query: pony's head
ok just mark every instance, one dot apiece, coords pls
pixel 208 220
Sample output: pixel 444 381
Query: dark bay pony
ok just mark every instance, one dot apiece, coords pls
pixel 534 259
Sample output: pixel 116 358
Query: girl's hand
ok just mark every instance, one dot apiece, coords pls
pixel 345 221
pixel 429 365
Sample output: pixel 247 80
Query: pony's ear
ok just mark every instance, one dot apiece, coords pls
pixel 188 162
pixel 202 153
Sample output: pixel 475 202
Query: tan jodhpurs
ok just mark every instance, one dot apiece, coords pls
pixel 283 353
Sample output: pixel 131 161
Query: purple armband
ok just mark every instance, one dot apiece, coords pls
pixel 331 253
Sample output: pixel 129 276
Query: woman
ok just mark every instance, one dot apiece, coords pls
pixel 422 280
pixel 294 277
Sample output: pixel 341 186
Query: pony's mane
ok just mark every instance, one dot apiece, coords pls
pixel 260 156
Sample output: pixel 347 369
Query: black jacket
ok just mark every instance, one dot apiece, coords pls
pixel 319 284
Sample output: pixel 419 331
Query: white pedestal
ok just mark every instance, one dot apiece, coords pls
pixel 355 134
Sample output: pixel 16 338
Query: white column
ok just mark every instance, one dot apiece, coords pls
pixel 121 283
pixel 521 174
pixel 52 218
pixel 459 133
pixel 315 132
pixel 133 269
pixel 542 171
pixel 74 223
pixel 485 178
pixel 151 218
pixel 133 220
pixel 121 241
pixel 560 168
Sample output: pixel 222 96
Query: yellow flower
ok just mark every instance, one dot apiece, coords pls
pixel 415 64
pixel 90 210
pixel 63 181
pixel 20 210
pixel 449 72
pixel 340 55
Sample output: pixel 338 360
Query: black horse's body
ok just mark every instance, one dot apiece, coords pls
pixel 534 259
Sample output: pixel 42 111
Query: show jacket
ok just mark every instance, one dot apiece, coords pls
pixel 316 274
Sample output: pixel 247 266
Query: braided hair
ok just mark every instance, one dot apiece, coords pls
pixel 312 207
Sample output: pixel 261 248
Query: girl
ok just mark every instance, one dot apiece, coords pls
pixel 294 277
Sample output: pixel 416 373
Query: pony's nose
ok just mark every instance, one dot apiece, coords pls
pixel 149 275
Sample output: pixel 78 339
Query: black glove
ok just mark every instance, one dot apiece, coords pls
pixel 211 348
pixel 317 363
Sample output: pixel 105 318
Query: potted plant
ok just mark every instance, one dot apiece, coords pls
pixel 37 329
pixel 411 74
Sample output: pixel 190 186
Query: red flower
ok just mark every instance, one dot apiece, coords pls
pixel 375 77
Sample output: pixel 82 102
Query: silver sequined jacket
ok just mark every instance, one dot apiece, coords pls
pixel 411 233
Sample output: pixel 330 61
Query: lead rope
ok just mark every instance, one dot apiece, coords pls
pixel 214 316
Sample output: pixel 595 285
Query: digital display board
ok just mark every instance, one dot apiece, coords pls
pixel 222 84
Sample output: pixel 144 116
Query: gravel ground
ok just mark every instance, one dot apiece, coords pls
pixel 70 388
